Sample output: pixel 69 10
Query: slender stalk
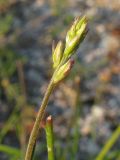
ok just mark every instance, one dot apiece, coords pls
pixel 39 117
pixel 50 138
pixel 109 144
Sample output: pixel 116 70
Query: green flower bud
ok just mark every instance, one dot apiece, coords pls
pixel 75 36
pixel 63 71
pixel 61 59
pixel 72 31
pixel 72 46
pixel 81 22
pixel 57 54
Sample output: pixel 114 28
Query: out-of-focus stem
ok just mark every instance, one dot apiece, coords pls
pixel 109 144
pixel 19 65
pixel 50 138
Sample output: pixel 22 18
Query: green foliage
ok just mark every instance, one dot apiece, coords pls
pixel 109 144
pixel 2 2
pixel 12 152
pixel 7 62
pixel 10 89
pixel 58 6
pixel 5 24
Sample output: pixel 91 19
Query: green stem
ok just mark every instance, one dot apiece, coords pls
pixel 109 144
pixel 36 126
pixel 118 158
pixel 50 138
pixel 10 150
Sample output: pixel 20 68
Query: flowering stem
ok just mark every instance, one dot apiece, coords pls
pixel 62 65
pixel 39 117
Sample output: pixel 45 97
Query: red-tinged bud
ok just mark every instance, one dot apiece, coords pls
pixel 70 67
pixel 49 119
pixel 63 71
pixel 46 122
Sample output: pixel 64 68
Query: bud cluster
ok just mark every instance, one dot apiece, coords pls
pixel 61 56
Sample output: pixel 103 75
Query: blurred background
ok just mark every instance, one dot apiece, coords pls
pixel 86 106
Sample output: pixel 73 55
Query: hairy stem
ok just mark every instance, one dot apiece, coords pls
pixel 39 117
